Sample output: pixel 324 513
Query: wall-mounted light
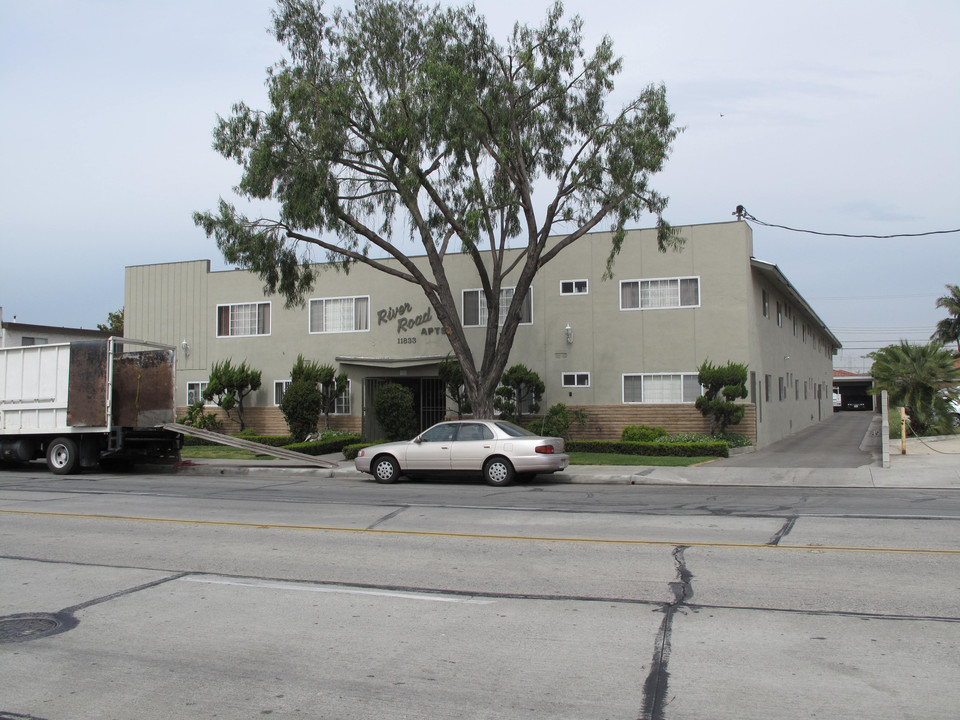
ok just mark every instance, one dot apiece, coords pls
pixel 569 331
pixel 186 348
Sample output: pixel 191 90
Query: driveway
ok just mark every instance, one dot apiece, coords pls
pixel 838 442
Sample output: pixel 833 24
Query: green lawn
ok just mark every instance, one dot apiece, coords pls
pixel 219 452
pixel 222 452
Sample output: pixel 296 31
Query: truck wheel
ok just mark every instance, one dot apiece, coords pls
pixel 63 456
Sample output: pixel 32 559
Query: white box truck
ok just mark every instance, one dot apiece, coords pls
pixel 82 403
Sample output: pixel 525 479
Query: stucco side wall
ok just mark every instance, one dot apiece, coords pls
pixel 791 353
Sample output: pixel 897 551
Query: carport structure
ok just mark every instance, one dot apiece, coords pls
pixel 854 390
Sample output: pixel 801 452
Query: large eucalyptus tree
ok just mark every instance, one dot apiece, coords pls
pixel 398 126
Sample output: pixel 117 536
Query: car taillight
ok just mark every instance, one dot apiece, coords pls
pixel 545 449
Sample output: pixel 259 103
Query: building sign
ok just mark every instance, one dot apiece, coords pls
pixel 407 322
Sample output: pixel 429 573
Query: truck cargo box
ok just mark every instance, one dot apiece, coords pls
pixel 108 395
pixel 82 386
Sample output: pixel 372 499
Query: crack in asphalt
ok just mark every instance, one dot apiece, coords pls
pixel 783 531
pixel 388 516
pixel 655 686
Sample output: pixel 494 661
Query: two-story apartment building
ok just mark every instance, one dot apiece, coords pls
pixel 625 349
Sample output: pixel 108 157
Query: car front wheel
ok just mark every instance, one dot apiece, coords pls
pixel 498 472
pixel 385 469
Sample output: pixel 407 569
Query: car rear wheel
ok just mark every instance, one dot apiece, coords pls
pixel 498 471
pixel 385 469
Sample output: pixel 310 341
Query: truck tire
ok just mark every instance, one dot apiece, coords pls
pixel 63 456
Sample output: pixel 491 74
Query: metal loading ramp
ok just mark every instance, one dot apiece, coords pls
pixel 236 442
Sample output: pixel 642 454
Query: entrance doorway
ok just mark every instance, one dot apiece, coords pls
pixel 429 402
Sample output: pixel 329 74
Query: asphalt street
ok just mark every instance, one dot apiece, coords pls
pixel 287 594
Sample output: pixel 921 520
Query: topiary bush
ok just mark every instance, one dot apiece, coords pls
pixel 556 423
pixel 722 387
pixel 301 408
pixel 642 433
pixel 394 408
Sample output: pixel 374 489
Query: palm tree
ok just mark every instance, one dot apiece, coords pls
pixel 914 376
pixel 948 329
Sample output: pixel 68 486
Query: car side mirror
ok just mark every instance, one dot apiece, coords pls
pixel 417 440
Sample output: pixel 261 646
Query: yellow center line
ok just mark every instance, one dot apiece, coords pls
pixel 487 536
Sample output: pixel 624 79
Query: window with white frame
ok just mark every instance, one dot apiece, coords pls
pixel 243 319
pixel 659 293
pixel 575 379
pixel 26 340
pixel 342 314
pixel 279 388
pixel 661 388
pixel 195 392
pixel 475 312
pixel 573 287
pixel 342 405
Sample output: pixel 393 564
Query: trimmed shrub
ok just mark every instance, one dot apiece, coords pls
pixel 248 434
pixel 642 433
pixel 325 446
pixel 301 408
pixel 519 385
pixel 556 423
pixel 350 452
pixel 394 407
pixel 722 387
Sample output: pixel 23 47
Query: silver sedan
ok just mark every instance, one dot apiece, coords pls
pixel 496 449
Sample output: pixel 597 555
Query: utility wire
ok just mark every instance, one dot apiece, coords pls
pixel 742 214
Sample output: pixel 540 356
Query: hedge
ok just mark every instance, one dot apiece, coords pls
pixel 642 433
pixel 271 440
pixel 350 452
pixel 651 449
pixel 318 447
pixel 324 447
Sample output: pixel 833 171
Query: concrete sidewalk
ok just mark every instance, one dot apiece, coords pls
pixel 932 462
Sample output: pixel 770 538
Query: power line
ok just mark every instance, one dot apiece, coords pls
pixel 742 214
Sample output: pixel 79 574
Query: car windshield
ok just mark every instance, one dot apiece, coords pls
pixel 514 430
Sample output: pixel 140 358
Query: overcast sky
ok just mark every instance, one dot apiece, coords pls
pixel 839 117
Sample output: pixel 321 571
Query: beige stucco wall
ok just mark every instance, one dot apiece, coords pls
pixel 178 301
pixel 804 356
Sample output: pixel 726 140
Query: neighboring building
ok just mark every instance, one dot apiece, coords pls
pixel 15 334
pixel 626 350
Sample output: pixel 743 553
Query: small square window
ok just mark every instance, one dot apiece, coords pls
pixel 576 379
pixel 195 392
pixel 573 287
